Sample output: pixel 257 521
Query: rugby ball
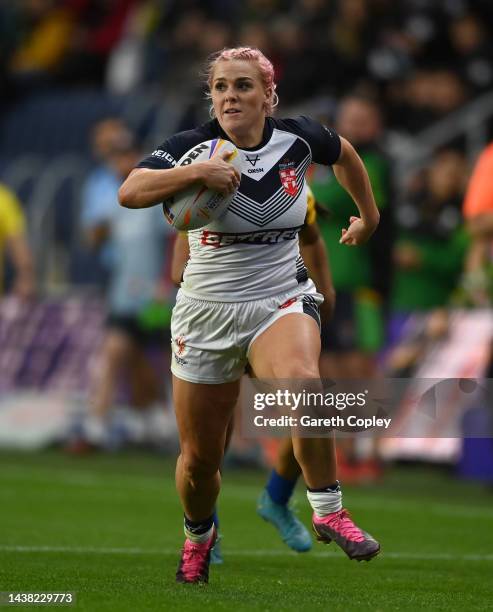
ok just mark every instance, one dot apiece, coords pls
pixel 197 205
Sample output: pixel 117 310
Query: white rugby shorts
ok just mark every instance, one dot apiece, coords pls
pixel 210 341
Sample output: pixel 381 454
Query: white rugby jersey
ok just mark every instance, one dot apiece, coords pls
pixel 252 252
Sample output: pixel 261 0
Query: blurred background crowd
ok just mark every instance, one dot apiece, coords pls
pixel 87 87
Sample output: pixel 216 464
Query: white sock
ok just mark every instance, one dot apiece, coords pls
pixel 198 538
pixel 325 502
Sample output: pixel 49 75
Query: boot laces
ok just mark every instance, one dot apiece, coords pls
pixel 343 523
pixel 194 557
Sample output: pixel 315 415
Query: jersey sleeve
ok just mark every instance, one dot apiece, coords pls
pixel 168 154
pixel 164 157
pixel 324 142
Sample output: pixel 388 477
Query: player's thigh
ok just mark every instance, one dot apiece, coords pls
pixel 203 413
pixel 289 348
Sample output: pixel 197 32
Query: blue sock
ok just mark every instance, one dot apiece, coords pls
pixel 280 489
pixel 215 519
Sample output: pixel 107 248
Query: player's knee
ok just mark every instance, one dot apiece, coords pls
pixel 296 369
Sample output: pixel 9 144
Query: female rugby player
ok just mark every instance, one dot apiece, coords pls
pixel 273 503
pixel 249 301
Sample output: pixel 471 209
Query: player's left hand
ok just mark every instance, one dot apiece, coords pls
pixel 358 232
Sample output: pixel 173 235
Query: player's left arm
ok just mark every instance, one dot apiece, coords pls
pixel 316 258
pixel 181 252
pixel 351 173
pixel 330 149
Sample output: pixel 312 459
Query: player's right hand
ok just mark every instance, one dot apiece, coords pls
pixel 219 175
pixel 357 233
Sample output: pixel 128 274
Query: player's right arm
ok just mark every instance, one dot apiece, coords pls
pixel 146 187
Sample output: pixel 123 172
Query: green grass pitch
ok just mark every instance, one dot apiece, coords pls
pixel 109 528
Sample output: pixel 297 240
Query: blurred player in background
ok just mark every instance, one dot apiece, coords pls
pixel 478 284
pixel 135 247
pixel 264 285
pixel 478 212
pixel 14 244
pixel 98 196
pixel 273 503
pixel 362 277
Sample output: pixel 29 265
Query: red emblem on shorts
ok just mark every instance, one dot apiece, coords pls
pixel 288 303
pixel 180 345
pixel 287 174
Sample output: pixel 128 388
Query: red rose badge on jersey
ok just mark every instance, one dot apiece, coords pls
pixel 287 174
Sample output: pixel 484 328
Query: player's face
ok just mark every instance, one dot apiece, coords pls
pixel 238 97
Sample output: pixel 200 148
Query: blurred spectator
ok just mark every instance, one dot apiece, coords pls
pixel 427 58
pixel 10 35
pixel 138 313
pixel 46 29
pixel 473 52
pixel 255 34
pixel 478 211
pixel 426 96
pixel 478 283
pixel 263 10
pixel 98 195
pixel 295 68
pixel 13 242
pixel 126 67
pixel 350 37
pixel 99 26
pixel 431 241
pixel 360 276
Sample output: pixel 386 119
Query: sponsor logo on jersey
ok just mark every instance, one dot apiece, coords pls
pixel 252 159
pixel 254 170
pixel 164 155
pixel 220 239
pixel 287 174
pixel 194 153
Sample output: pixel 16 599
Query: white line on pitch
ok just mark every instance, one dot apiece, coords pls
pixel 241 553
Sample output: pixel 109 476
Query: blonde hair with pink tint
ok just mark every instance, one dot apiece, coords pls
pixel 249 54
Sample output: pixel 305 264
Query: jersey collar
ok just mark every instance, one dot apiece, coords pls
pixel 266 135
